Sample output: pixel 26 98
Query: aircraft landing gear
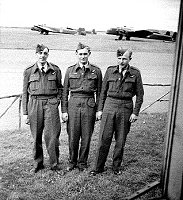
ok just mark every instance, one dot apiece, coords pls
pixel 44 32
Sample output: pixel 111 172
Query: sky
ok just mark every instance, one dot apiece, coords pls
pixel 97 14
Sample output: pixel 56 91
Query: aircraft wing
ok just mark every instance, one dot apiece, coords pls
pixel 45 29
pixel 119 30
pixel 68 31
pixel 160 37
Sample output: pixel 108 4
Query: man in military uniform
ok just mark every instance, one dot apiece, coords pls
pixel 121 83
pixel 42 90
pixel 83 82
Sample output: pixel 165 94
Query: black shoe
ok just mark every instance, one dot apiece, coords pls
pixel 95 172
pixel 70 168
pixel 55 168
pixel 81 169
pixel 39 167
pixel 117 172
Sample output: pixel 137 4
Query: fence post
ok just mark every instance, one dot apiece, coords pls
pixel 19 112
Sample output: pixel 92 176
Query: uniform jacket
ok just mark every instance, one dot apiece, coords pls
pixel 116 86
pixel 76 81
pixel 35 84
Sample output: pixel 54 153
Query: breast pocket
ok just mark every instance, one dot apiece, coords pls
pixel 74 80
pixel 52 82
pixel 34 82
pixel 129 84
pixel 92 78
pixel 113 84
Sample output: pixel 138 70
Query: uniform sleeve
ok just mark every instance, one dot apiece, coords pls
pixel 99 87
pixel 59 84
pixel 25 95
pixel 139 95
pixel 103 94
pixel 65 93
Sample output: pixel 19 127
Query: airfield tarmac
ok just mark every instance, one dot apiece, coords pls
pixel 17 51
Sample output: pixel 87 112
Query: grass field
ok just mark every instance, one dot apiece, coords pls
pixel 141 166
pixel 144 148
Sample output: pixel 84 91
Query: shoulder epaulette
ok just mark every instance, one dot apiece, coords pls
pixel 30 66
pixel 111 67
pixel 93 65
pixel 53 64
pixel 72 66
pixel 135 68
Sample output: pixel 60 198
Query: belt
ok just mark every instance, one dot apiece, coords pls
pixel 42 97
pixel 121 98
pixel 84 95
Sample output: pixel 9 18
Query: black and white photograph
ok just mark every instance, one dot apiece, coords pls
pixel 91 100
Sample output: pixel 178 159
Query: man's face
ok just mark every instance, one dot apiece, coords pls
pixel 43 55
pixel 83 55
pixel 123 60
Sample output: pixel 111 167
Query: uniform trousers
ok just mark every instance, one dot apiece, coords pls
pixel 115 121
pixel 81 111
pixel 44 115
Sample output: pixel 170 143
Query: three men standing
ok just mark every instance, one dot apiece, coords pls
pixel 84 99
pixel 42 90
pixel 83 83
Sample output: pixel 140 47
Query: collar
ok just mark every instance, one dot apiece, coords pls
pixel 40 66
pixel 116 69
pixel 79 66
pixel 49 66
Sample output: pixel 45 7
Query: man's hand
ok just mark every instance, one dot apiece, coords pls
pixel 133 118
pixel 65 117
pixel 99 115
pixel 26 119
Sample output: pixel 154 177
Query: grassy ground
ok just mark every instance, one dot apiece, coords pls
pixel 142 165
